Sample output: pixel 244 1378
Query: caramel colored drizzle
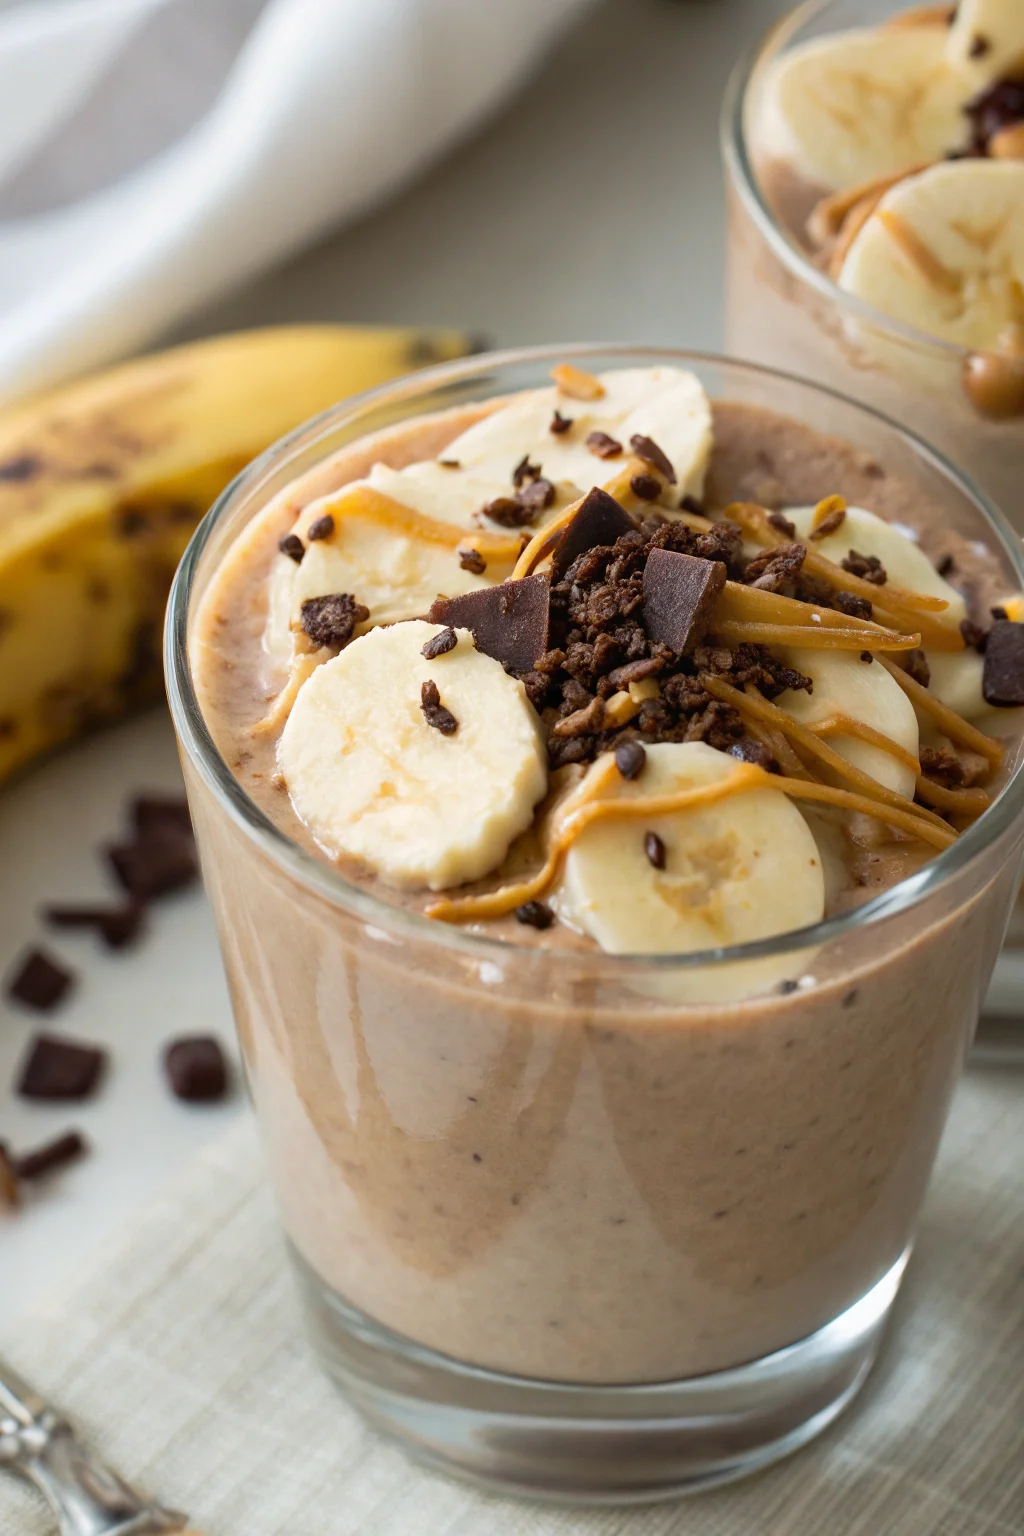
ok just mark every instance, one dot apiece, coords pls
pixel 755 605
pixel 303 667
pixel 920 255
pixel 952 724
pixel 937 833
pixel 544 541
pixel 966 802
pixel 576 383
pixel 846 725
pixel 832 637
pixel 369 505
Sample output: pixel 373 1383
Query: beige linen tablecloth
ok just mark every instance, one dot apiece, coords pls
pixel 180 1352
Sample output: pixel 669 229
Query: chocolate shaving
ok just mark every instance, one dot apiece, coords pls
pixel 196 1069
pixel 293 547
pixel 647 449
pixel 440 644
pixel 450 463
pixel 434 711
pixel 560 423
pixel 680 594
pixel 829 524
pixel 603 445
pixel 472 560
pixel 40 982
pixel 535 914
pixel 654 848
pixel 56 1068
pixel 330 620
pixel 1002 678
pixel 321 528
pixel 510 622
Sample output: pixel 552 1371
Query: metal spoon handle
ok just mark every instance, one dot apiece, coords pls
pixel 88 1499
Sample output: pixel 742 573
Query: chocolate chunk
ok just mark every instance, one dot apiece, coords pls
pixel 330 620
pixel 508 513
pixel 856 607
pixel 867 567
pixel 51 1156
pixel 829 524
pixel 118 926
pixel 1002 678
pixel 999 612
pixel 524 471
pixel 444 641
pixel 536 496
pixel 647 449
pixel 680 593
pixel 781 523
pixel 157 813
pixel 654 848
pixel 535 914
pixel 293 547
pixel 196 1069
pixel 434 711
pixel 472 560
pixel 560 423
pixel 603 445
pixel 322 528
pixel 154 865
pixel 509 622
pixel 57 1068
pixel 646 487
pixel 599 520
pixel 40 982
pixel 974 635
pixel 25 467
pixel 630 758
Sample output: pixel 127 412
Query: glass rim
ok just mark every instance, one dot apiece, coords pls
pixel 736 155
pixel 316 873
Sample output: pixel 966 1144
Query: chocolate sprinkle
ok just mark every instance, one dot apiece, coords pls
pixel 56 1068
pixel 39 982
pixel 630 758
pixel 440 644
pixel 51 1156
pixel 196 1069
pixel 509 622
pixel 1002 678
pixel 654 848
pixel 118 926
pixel 330 620
pixel 603 445
pixel 322 528
pixel 647 449
pixel 434 711
pixel 560 423
pixel 680 594
pixel 293 547
pixel 535 914
pixel 472 560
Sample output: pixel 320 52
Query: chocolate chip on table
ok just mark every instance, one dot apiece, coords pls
pixel 603 445
pixel 535 914
pixel 434 711
pixel 598 520
pixel 630 758
pixel 647 449
pixel 57 1068
pixel 510 622
pixel 321 528
pixel 654 848
pixel 472 560
pixel 1002 677
pixel 829 524
pixel 155 864
pixel 560 423
pixel 444 641
pixel 292 546
pixel 330 620
pixel 680 593
pixel 647 487
pixel 51 1156
pixel 40 982
pixel 196 1069
pixel 150 813
pixel 117 926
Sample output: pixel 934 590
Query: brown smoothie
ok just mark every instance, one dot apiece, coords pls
pixel 518 1151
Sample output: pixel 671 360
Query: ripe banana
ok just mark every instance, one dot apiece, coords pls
pixel 418 803
pixel 101 484
pixel 987 38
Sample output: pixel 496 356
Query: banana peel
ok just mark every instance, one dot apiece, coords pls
pixel 102 483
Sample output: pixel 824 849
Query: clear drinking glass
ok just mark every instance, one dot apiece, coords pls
pixel 559 1225
pixel 784 311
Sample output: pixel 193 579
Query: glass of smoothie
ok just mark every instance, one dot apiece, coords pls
pixel 608 868
pixel 875 167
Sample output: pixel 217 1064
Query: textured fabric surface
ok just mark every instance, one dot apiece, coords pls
pixel 179 1352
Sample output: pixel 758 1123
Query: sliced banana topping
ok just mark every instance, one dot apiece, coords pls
pixel 987 38
pixel 425 791
pixel 742 868
pixel 857 105
pixel 944 252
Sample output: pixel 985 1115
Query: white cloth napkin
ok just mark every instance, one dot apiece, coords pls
pixel 179 1350
pixel 155 152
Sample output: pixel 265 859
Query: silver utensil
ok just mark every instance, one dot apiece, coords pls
pixel 88 1499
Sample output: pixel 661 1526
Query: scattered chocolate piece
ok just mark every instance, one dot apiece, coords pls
pixel 781 523
pixel 647 487
pixel 999 613
pixel 654 848
pixel 330 620
pixel 829 524
pixel 680 593
pixel 509 622
pixel 535 914
pixel 867 567
pixel 866 656
pixel 856 607
pixel 773 569
pixel 293 547
pixel 51 1156
pixel 980 45
pixel 10 1194
pixel 444 641
pixel 434 711
pixel 973 634
pixel 117 926
pixel 508 513
pixel 599 520
pixel 630 758
pixel 603 445
pixel 57 1068
pixel 535 496
pixel 587 721
pixel 450 463
pixel 152 813
pixel 647 449
pixel 321 528
pixel 916 664
pixel 750 751
pixel 40 982
pixel 154 865
pixel 998 106
pixel 560 423
pixel 472 560
pixel 946 566
pixel 196 1069
pixel 1002 678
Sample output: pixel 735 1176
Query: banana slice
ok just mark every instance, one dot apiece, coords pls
pixel 857 105
pixel 373 780
pixel 740 869
pixel 668 405
pixel 987 38
pixel 955 676
pixel 944 252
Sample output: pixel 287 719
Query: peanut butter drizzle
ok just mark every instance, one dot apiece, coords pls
pixel 846 725
pixel 920 255
pixel 577 383
pixel 754 605
pixel 952 724
pixel 968 802
pixel 302 668
pixel 369 505
pixel 939 835
pixel 830 638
